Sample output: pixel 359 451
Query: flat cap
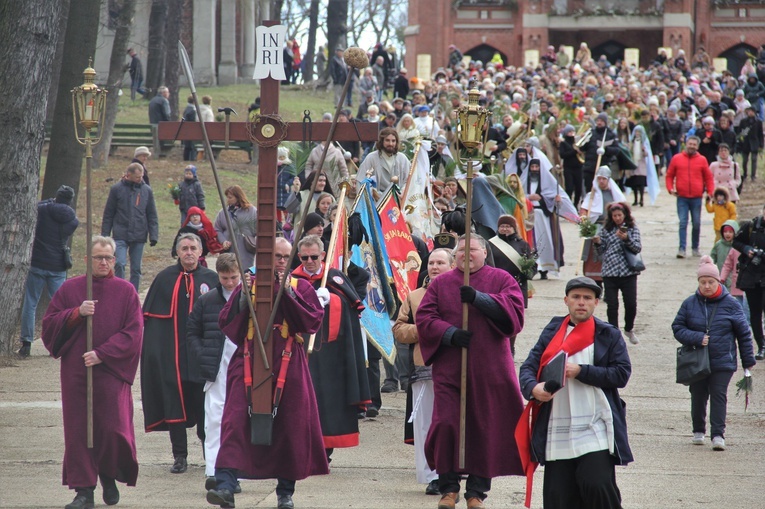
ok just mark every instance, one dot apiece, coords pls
pixel 583 282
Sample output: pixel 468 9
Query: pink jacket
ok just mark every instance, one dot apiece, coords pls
pixel 727 174
pixel 729 269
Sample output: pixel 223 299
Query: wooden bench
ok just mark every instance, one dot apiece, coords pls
pixel 124 135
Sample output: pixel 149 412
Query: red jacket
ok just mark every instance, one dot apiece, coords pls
pixel 689 176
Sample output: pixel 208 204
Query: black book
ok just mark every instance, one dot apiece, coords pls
pixel 554 373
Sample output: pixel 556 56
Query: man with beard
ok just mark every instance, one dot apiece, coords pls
pixel 386 162
pixel 337 364
pixel 116 315
pixel 518 162
pixel 441 163
pixel 172 388
pixel 607 149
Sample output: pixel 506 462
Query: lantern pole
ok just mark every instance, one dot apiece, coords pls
pixel 471 119
pixel 88 103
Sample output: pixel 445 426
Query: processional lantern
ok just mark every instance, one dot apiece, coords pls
pixel 471 119
pixel 88 104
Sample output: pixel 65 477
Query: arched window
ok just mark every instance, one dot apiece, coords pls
pixel 737 56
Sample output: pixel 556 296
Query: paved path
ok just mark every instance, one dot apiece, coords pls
pixel 668 472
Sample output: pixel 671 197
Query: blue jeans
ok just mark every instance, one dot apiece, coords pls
pixel 135 251
pixel 692 205
pixel 36 279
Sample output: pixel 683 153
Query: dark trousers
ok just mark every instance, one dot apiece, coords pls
pixel 586 482
pixel 587 178
pixel 745 163
pixel 449 482
pixel 194 401
pixel 628 287
pixel 398 372
pixel 756 301
pixel 373 374
pixel 189 151
pixel 714 389
pixel 225 478
pixel 573 180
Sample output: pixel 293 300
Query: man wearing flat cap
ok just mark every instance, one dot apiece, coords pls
pixel 577 429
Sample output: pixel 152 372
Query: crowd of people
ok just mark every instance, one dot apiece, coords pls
pixel 564 141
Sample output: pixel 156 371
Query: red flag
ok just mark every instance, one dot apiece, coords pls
pixel 404 260
pixel 335 259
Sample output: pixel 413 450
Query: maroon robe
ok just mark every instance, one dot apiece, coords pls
pixel 297 447
pixel 117 327
pixel 494 401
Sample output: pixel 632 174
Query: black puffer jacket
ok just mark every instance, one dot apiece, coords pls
pixel 203 335
pixel 55 224
pixel 130 213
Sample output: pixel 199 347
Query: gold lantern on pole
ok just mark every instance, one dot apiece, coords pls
pixel 471 120
pixel 88 110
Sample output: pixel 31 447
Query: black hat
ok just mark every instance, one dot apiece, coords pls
pixel 312 220
pixel 583 282
pixel 64 195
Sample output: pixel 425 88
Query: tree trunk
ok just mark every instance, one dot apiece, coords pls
pixel 114 81
pixel 56 70
pixel 155 61
pixel 64 163
pixel 276 11
pixel 337 26
pixel 309 58
pixel 29 33
pixel 172 59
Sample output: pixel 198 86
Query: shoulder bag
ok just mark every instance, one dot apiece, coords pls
pixel 693 361
pixel 634 260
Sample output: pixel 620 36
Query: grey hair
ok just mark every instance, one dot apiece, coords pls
pixel 100 240
pixel 188 236
pixel 310 240
pixel 473 236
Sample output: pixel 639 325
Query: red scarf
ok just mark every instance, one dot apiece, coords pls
pixel 582 336
pixel 301 273
pixel 207 231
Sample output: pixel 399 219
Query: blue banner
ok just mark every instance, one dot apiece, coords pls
pixel 372 256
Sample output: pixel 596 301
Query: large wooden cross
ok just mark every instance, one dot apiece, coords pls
pixel 269 128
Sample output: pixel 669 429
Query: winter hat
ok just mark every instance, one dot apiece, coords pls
pixel 730 223
pixel 312 221
pixel 141 151
pixel 603 117
pixel 707 268
pixel 568 129
pixel 65 195
pixel 507 219
pixel 283 155
pixel 191 168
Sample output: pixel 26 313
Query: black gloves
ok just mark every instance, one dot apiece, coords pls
pixel 153 243
pixel 467 294
pixel 461 337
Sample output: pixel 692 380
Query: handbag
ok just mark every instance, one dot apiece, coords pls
pixel 634 260
pixel 693 360
pixel 292 203
pixel 692 364
pixel 250 243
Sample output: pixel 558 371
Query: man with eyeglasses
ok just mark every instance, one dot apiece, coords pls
pixel 172 387
pixel 337 364
pixel 296 444
pixel 117 322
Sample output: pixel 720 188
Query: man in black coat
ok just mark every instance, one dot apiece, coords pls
pixel 596 146
pixel 751 140
pixel 710 139
pixel 572 167
pixel 189 115
pixel 56 222
pixel 401 84
pixel 212 352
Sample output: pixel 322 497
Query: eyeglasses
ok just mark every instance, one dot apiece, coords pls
pixel 282 257
pixel 101 259
pixel 312 257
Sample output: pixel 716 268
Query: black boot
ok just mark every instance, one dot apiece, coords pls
pixel 180 465
pixel 111 494
pixel 222 498
pixel 760 350
pixel 83 499
pixel 542 274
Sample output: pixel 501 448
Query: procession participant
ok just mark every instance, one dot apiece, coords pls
pixel 597 150
pixel 117 322
pixel 508 249
pixel 212 352
pixel 420 397
pixel 549 200
pixel 579 433
pixel 385 162
pixel 172 390
pixel 338 363
pixel 496 312
pixel 604 192
pixel 297 449
pixel 572 167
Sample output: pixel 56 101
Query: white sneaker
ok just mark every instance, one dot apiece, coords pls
pixel 718 444
pixel 698 439
pixel 681 253
pixel 632 337
pixel 696 253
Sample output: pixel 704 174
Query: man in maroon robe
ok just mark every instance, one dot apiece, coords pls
pixel 495 304
pixel 117 324
pixel 297 448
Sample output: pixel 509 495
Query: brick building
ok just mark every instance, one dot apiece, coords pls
pixel 518 29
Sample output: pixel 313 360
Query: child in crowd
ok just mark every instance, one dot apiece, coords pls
pixel 722 208
pixel 723 246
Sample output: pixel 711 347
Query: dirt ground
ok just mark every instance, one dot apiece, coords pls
pixel 668 471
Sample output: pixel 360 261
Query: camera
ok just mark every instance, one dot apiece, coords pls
pixel 757 255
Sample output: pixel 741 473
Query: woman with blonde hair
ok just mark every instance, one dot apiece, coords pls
pixel 244 218
pixel 406 129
